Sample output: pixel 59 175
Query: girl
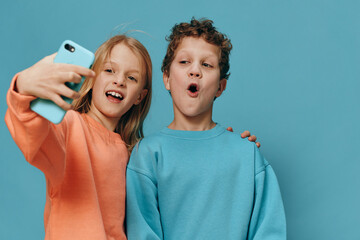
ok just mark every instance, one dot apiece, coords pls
pixel 84 157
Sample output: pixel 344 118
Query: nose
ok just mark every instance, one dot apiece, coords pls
pixel 119 81
pixel 195 71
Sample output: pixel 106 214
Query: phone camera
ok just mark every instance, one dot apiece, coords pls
pixel 69 47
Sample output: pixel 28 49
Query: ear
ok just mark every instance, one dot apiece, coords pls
pixel 222 86
pixel 141 96
pixel 166 81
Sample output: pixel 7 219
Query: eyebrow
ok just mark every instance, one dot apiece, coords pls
pixel 114 63
pixel 207 55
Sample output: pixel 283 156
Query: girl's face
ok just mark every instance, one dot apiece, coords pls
pixel 118 86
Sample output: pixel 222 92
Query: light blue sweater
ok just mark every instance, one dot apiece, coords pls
pixel 201 185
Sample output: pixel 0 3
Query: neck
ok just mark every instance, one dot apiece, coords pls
pixel 108 123
pixel 201 122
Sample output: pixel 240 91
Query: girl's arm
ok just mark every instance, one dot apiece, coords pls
pixel 42 143
pixel 246 134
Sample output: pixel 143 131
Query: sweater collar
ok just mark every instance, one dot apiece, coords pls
pixel 195 135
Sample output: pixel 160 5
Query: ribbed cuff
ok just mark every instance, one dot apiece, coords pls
pixel 19 104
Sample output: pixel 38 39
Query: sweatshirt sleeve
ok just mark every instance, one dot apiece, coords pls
pixel 142 208
pixel 41 142
pixel 268 215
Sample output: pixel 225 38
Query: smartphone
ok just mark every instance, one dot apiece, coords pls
pixel 71 53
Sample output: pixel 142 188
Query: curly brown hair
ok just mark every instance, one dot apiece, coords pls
pixel 198 28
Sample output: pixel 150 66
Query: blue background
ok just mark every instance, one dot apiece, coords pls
pixel 295 79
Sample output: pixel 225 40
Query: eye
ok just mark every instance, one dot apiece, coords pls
pixel 109 70
pixel 183 62
pixel 207 65
pixel 132 78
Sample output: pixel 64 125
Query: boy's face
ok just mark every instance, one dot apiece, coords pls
pixel 194 78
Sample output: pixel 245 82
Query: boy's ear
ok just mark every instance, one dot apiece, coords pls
pixel 222 86
pixel 166 81
pixel 141 96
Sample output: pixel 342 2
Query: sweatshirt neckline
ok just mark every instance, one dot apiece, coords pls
pixel 100 128
pixel 195 135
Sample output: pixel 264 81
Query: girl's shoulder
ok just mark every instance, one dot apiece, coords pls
pixel 72 117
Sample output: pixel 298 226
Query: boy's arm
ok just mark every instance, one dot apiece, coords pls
pixel 268 216
pixel 142 208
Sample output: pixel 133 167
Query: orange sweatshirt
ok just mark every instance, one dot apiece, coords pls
pixel 84 166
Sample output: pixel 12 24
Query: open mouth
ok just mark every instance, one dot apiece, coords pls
pixel 193 88
pixel 113 94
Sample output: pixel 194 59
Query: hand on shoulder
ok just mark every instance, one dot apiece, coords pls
pixel 246 134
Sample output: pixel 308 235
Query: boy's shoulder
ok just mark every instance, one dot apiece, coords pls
pixel 236 140
pixel 222 137
pixel 244 147
pixel 151 139
pixel 150 143
pixel 143 157
pixel 220 134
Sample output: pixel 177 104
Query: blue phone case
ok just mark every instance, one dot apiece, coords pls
pixel 70 53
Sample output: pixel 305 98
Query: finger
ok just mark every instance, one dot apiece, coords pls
pixel 69 77
pixel 245 134
pixel 230 129
pixel 50 58
pixel 83 71
pixel 65 91
pixel 252 138
pixel 60 102
pixel 258 144
pixel 76 78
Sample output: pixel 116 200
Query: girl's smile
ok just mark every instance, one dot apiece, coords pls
pixel 114 96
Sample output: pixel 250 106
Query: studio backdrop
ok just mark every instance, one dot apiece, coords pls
pixel 295 80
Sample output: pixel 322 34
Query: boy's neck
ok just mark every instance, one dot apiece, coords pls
pixel 197 123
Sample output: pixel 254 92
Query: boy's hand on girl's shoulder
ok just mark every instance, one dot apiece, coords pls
pixel 46 79
pixel 246 134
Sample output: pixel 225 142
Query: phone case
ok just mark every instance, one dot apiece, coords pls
pixel 70 53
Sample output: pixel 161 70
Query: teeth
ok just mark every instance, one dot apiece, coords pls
pixel 115 94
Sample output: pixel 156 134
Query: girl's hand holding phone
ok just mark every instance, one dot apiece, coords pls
pixel 47 79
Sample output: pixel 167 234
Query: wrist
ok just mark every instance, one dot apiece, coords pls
pixel 18 86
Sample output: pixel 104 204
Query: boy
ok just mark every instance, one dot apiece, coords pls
pixel 194 179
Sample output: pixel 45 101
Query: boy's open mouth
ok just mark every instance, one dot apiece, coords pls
pixel 193 88
pixel 113 94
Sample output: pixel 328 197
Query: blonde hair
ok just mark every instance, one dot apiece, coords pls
pixel 130 125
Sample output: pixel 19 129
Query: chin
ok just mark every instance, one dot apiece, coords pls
pixel 194 113
pixel 192 110
pixel 110 114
